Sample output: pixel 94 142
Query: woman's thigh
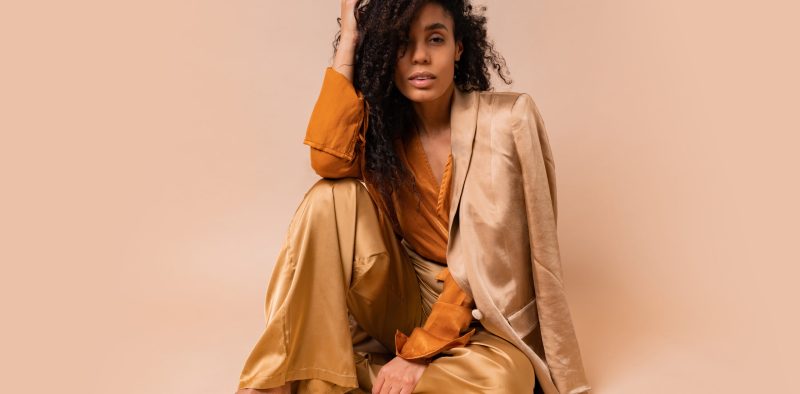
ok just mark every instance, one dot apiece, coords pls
pixel 384 293
pixel 488 364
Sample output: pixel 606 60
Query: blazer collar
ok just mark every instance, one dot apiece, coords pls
pixel 463 121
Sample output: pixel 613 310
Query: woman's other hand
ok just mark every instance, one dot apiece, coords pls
pixel 398 376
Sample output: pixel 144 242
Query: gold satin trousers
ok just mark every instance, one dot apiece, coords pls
pixel 341 286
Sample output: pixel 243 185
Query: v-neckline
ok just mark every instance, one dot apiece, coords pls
pixel 430 169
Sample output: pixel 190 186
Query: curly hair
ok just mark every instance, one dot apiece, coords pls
pixel 383 28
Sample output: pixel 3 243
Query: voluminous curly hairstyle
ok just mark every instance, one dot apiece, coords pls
pixel 383 27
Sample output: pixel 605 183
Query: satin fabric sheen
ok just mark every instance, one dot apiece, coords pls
pixel 339 264
pixel 488 364
pixel 503 247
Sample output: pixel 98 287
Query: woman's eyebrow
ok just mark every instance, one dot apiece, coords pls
pixel 434 26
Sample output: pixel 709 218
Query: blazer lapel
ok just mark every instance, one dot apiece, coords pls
pixel 463 121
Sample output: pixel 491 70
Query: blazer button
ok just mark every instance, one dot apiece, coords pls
pixel 477 314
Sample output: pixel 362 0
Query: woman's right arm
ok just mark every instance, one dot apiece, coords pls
pixel 336 128
pixel 338 122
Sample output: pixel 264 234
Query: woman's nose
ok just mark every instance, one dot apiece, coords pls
pixel 419 54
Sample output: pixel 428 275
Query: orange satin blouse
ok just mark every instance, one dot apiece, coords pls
pixel 336 135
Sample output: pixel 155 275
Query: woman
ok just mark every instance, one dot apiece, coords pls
pixel 376 257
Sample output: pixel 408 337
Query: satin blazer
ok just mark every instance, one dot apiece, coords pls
pixel 503 245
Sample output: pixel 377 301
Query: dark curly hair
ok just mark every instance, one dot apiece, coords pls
pixel 383 27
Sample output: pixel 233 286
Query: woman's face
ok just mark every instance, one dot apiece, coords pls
pixel 432 51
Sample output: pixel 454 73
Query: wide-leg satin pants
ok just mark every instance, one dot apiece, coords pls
pixel 341 286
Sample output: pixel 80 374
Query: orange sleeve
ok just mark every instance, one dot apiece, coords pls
pixel 336 128
pixel 450 314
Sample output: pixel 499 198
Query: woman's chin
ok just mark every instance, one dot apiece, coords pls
pixel 422 95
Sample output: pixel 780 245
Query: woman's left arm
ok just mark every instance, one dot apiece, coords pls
pixel 536 159
pixel 541 209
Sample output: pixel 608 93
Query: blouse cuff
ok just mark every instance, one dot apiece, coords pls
pixel 337 117
pixel 450 314
pixel 422 344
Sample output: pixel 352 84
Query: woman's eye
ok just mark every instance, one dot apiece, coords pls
pixel 440 39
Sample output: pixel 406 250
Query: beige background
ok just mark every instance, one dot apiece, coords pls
pixel 151 159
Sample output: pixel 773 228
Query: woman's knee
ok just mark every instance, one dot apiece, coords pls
pixel 517 371
pixel 330 189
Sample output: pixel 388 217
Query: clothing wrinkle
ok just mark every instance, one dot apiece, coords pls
pixel 557 278
pixel 499 132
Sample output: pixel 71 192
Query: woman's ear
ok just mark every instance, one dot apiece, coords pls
pixel 459 50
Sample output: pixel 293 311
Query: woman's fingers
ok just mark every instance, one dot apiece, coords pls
pixel 378 385
pixel 395 389
pixel 348 17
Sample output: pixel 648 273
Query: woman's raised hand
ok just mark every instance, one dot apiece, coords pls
pixel 346 50
pixel 349 27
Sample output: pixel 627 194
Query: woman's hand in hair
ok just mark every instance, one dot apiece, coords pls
pixel 346 50
pixel 349 29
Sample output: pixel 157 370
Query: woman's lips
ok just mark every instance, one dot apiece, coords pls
pixel 421 83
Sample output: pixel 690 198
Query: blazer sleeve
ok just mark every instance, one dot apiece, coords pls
pixel 539 186
pixel 336 129
pixel 450 315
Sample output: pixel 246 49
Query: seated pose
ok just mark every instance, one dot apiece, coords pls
pixel 426 259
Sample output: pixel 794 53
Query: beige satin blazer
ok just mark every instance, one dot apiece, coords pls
pixel 503 245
